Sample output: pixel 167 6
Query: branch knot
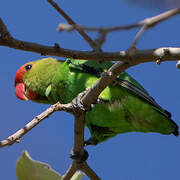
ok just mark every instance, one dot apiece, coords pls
pixel 78 107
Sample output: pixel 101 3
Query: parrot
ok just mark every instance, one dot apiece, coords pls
pixel 122 107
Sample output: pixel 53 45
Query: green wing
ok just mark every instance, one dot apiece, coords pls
pixel 96 68
pixel 124 80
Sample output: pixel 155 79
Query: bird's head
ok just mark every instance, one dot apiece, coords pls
pixel 21 90
pixel 33 80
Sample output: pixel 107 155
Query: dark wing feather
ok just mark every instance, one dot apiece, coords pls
pixel 126 84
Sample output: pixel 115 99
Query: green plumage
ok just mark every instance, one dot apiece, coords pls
pixel 124 106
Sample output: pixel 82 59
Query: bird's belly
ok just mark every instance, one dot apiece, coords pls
pixel 128 115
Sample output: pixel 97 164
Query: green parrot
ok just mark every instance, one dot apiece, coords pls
pixel 124 106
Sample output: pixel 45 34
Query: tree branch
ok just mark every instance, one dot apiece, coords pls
pixel 4 31
pixel 71 22
pixel 138 35
pixel 70 172
pixel 147 55
pixel 88 98
pixel 21 132
pixel 146 24
pixel 79 132
pixel 66 27
pixel 161 17
pixel 88 171
pixel 105 79
pixel 151 22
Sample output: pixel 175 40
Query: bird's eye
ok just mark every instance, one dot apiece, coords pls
pixel 28 67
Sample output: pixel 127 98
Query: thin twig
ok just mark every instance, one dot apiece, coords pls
pixel 21 132
pixel 161 17
pixel 146 24
pixel 138 35
pixel 101 38
pixel 151 22
pixel 66 27
pixel 71 22
pixel 148 21
pixel 4 31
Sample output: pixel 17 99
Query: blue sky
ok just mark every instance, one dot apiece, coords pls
pixel 128 156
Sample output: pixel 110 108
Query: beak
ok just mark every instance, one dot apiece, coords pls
pixel 20 91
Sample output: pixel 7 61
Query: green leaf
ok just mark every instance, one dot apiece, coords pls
pixel 28 169
pixel 77 176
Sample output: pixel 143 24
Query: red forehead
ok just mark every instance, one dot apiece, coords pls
pixel 19 74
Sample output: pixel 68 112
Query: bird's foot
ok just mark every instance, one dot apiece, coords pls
pixel 91 141
pixel 75 155
pixel 76 102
